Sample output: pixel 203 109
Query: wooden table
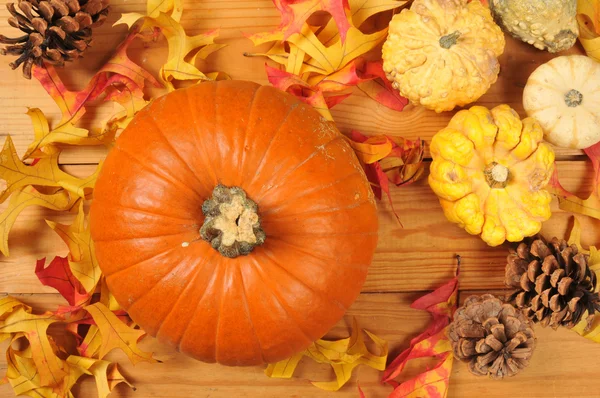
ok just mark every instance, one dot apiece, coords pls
pixel 410 260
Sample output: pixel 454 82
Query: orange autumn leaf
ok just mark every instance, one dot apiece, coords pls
pixel 343 355
pixel 59 276
pixel 433 342
pixel 116 334
pixel 571 202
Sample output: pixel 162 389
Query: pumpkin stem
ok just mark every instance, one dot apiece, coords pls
pixel 573 98
pixel 449 40
pixel 496 175
pixel 231 223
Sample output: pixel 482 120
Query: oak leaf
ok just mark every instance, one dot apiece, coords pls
pixel 82 257
pixel 59 276
pixel 433 342
pixel 29 196
pixel 588 18
pixel 116 334
pixel 343 355
pixel 101 370
pixel 570 202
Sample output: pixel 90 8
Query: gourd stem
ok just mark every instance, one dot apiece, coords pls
pixel 496 175
pixel 449 40
pixel 231 224
pixel 573 98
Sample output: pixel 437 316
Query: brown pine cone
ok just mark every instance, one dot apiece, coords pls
pixel 554 285
pixel 495 338
pixel 55 31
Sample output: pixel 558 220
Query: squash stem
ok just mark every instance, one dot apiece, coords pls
pixel 449 40
pixel 497 175
pixel 231 224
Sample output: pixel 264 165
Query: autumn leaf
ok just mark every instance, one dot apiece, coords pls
pixel 116 334
pixel 433 342
pixel 59 276
pixel 343 355
pixel 155 7
pixel 29 196
pixel 588 18
pixel 101 370
pixel 183 50
pixel 376 85
pixel 388 159
pixel 570 202
pixel 587 327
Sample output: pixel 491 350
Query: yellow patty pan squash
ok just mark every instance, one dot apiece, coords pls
pixel 489 171
pixel 443 53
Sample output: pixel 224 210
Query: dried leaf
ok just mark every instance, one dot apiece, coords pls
pixel 183 49
pixel 364 9
pixel 343 356
pixel 388 159
pixel 34 327
pixel 588 17
pixel 570 202
pixel 100 370
pixel 588 328
pixel 433 342
pixel 29 196
pixel 116 334
pixel 59 276
pixel 154 7
pixel 82 258
pixel 378 87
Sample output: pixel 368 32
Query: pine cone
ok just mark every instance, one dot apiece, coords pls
pixel 495 338
pixel 56 31
pixel 554 285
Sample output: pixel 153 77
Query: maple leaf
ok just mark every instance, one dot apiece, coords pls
pixel 343 355
pixel 29 196
pixel 82 257
pixel 433 342
pixel 116 334
pixel 570 202
pixel 59 276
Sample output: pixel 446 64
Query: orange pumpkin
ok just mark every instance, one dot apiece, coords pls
pixel 289 231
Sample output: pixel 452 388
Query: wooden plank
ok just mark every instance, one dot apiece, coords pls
pixel 564 364
pixel 234 17
pixel 417 256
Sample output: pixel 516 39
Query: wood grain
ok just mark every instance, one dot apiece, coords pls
pixel 410 259
pixel 563 365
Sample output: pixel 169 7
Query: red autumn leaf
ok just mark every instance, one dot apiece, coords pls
pixel 378 87
pixel 303 9
pixel 58 275
pixel 570 202
pixel 433 342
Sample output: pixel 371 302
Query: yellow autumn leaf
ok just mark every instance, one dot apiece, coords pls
pixel 100 370
pixel 182 49
pixel 45 172
pixel 337 55
pixel 67 133
pixel 29 196
pixel 82 256
pixel 107 298
pixel 90 345
pixel 589 330
pixel 362 10
pixel 34 327
pixel 155 7
pixel 588 18
pixel 343 356
pixel 116 334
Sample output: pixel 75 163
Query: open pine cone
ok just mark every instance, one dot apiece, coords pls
pixel 55 31
pixel 495 338
pixel 554 284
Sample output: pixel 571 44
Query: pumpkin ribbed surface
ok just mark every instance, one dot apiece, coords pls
pixel 315 206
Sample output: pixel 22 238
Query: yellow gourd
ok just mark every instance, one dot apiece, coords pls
pixel 489 171
pixel 443 53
